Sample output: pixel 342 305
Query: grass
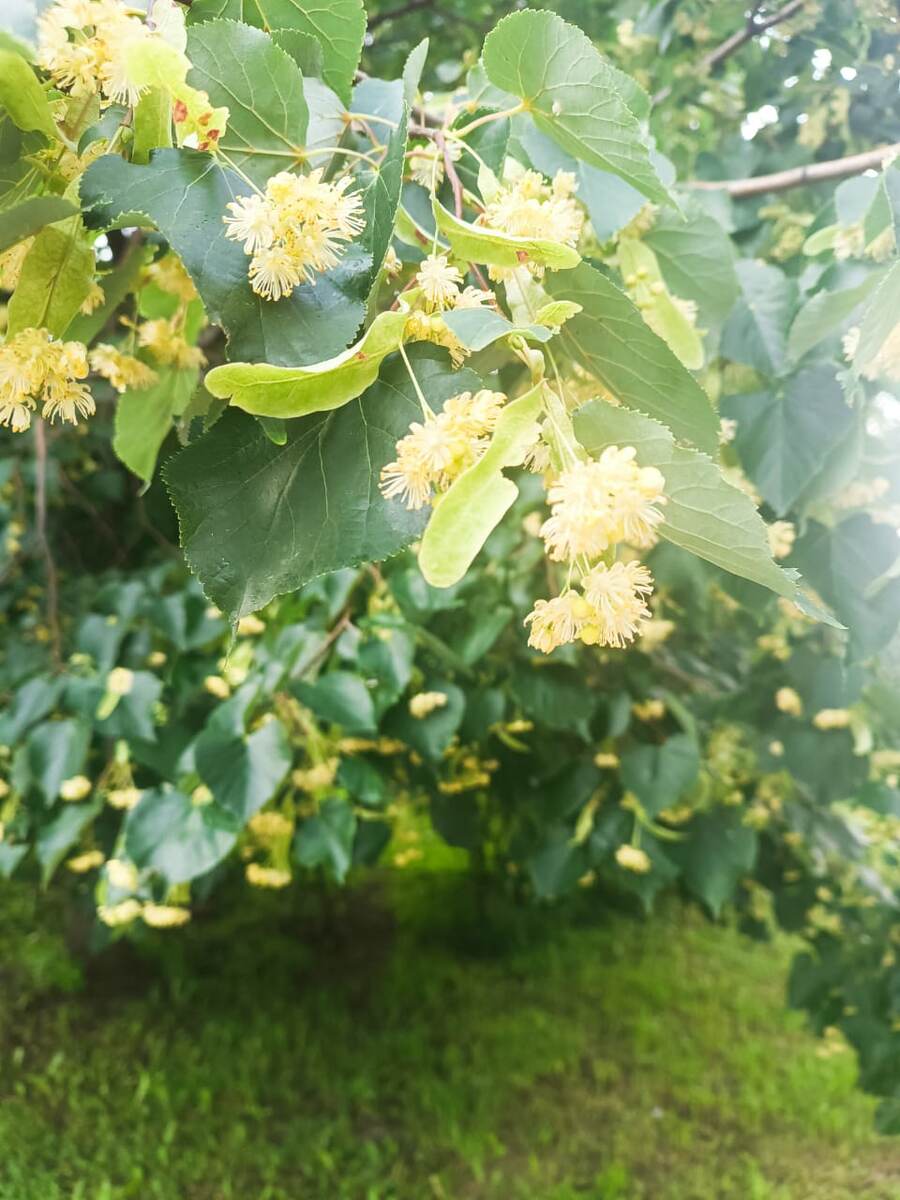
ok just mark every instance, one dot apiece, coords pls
pixel 388 1050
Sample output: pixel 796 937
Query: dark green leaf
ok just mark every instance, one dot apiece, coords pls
pixel 243 772
pixel 757 330
pixel 182 840
pixel 326 840
pixel 717 853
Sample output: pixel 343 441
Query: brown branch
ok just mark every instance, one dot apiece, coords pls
pixel 441 142
pixel 724 50
pixel 394 13
pixel 40 516
pixel 780 181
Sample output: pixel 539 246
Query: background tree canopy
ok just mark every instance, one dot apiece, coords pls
pixel 338 332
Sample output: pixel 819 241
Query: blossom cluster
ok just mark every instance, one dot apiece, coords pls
pixel 594 506
pixel 529 207
pixel 438 449
pixel 294 230
pixel 35 368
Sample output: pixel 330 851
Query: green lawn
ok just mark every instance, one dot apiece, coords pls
pixel 384 1048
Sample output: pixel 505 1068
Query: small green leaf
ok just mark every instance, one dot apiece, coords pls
pixel 879 320
pixel 285 392
pixel 144 418
pixel 696 257
pixel 611 341
pixel 477 244
pixel 756 332
pixel 573 95
pixel 660 775
pixel 54 281
pixel 27 218
pixel 478 328
pixel 243 772
pixel 825 314
pixel 178 838
pixel 650 294
pixel 23 97
pixel 54 751
pixel 326 840
pixel 340 698
pixel 463 518
pixel 56 838
pixel 717 852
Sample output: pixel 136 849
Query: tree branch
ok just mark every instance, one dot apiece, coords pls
pixel 752 29
pixel 780 181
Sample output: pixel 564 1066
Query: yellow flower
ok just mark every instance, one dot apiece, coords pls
pixel 617 595
pixel 122 875
pixel 165 916
pixel 270 825
pixel 76 788
pixel 266 877
pixel 632 858
pixel 557 621
pixel 123 798
pixel 35 367
pixel 606 760
pixel 295 230
pixel 122 370
pixel 250 626
pixel 781 538
pixel 120 914
pixel 435 451
pixel 163 338
pixel 217 686
pixel 531 208
pixel 169 275
pixel 317 778
pixel 832 718
pixel 649 710
pixel 82 863
pixel 93 299
pixel 439 281
pixel 787 700
pixel 120 681
pixel 424 703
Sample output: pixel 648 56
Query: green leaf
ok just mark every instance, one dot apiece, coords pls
pixel 879 320
pixel 261 85
pixel 340 698
pixel 556 696
pixel 476 244
pixel 23 97
pixel 339 26
pixel 258 519
pixel 825 314
pixel 429 736
pixel 116 285
pixel 756 332
pixel 54 751
pixel 478 328
pixel 717 852
pixel 382 197
pixel 26 219
pixel 850 566
pixel 326 840
pixel 32 701
pixel 243 772
pixel 55 839
pixel 184 194
pixel 572 94
pixel 784 437
pixel 660 775
pixel 144 418
pixel 176 837
pixel 696 258
pixel 640 268
pixel 462 519
pixel 704 513
pixel 54 281
pixel 284 392
pixel 611 341
pixel 306 51
pixel 132 718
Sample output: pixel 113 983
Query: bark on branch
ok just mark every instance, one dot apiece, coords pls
pixel 781 181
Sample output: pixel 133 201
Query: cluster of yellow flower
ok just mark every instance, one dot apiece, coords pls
pixel 294 230
pixel 99 48
pixel 440 289
pixel 594 506
pixel 437 450
pixel 529 207
pixel 122 370
pixel 34 367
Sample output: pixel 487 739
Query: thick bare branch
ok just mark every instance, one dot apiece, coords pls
pixel 781 181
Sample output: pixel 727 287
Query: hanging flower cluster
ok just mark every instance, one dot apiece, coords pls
pixel 531 208
pixel 437 450
pixel 294 230
pixel 35 368
pixel 124 371
pixel 440 289
pixel 593 507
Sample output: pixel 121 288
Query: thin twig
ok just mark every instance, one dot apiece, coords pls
pixel 40 515
pixel 441 142
pixel 781 181
pixel 752 29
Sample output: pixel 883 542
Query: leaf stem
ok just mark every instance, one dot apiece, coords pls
pixel 427 411
pixel 488 117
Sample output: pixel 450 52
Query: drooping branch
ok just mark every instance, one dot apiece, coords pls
pixel 725 49
pixel 781 181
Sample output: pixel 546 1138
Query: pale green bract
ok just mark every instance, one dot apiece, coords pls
pixel 478 244
pixel 477 501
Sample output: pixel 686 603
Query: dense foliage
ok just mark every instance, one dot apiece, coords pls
pixel 622 440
